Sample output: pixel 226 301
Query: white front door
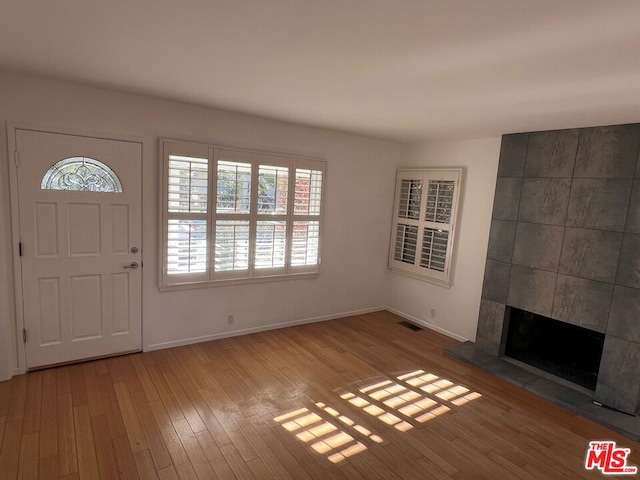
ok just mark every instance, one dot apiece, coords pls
pixel 80 233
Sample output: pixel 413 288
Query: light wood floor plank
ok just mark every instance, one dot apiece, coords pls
pixel 17 400
pixel 49 421
pixel 214 455
pixel 124 458
pixel 63 380
pixel 169 435
pixel 33 403
pixel 105 456
pixel 146 382
pixel 152 434
pixel 28 469
pixel 48 467
pixel 10 450
pixel 194 451
pixel 144 463
pixel 187 408
pixel 87 462
pixel 94 395
pixel 237 464
pixel 168 473
pixel 67 458
pixel 111 407
pixel 5 396
pixel 78 387
pixel 130 418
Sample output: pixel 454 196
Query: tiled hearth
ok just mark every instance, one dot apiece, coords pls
pixel 565 243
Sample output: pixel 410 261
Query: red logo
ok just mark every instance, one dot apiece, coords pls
pixel 609 459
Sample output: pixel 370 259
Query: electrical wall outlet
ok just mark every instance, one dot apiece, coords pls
pixel 433 313
pixel 230 319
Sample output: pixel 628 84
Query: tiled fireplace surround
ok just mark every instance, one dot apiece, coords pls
pixel 565 243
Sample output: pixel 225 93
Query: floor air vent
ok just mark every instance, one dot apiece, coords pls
pixel 411 326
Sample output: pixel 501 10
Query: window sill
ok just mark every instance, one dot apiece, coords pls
pixel 237 281
pixel 423 278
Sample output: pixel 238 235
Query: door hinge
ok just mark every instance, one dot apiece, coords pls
pixel 20 249
pixel 16 158
pixel 24 335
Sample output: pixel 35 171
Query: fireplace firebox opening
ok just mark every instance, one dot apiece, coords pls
pixel 561 349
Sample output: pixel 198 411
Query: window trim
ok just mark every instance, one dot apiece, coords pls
pixel 445 278
pixel 210 278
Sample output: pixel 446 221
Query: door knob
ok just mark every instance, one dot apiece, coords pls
pixel 132 265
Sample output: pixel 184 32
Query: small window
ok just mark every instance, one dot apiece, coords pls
pixel 424 223
pixel 233 215
pixel 81 174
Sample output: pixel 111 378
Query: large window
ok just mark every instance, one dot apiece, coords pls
pixel 232 215
pixel 424 223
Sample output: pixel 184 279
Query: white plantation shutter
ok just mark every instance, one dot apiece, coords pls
pixel 439 201
pixel 305 243
pixel 231 245
pixel 307 210
pixel 435 244
pixel 185 217
pixel 232 218
pixel 271 241
pixel 233 215
pixel 423 226
pixel 406 243
pixel 186 246
pixel 410 198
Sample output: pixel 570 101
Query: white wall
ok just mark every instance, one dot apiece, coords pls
pixel 359 198
pixel 456 308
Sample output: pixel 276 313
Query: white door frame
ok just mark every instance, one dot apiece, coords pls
pixel 19 351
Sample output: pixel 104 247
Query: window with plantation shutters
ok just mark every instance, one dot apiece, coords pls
pixel 233 215
pixel 423 223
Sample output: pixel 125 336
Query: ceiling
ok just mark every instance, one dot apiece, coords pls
pixel 406 70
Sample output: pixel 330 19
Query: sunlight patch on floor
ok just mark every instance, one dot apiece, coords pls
pixel 375 411
pixel 418 396
pixel 323 436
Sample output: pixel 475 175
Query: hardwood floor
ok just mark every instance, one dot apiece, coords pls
pixel 359 397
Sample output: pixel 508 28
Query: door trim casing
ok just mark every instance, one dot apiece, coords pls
pixel 18 350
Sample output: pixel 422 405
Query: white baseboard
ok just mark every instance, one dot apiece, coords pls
pixel 275 326
pixel 426 324
pixel 246 331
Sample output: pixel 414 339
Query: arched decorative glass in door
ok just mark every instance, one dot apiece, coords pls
pixel 81 174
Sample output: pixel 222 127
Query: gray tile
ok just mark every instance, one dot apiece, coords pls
pixel 507 197
pixel 629 268
pixel 468 352
pixel 552 154
pixel 633 216
pixel 616 421
pixel 501 239
pixel 624 317
pixel 544 200
pixel 608 152
pixel 538 246
pixel 496 281
pixel 590 254
pixel 560 394
pixel 599 203
pixel 490 326
pixel 510 372
pixel 582 302
pixel 512 155
pixel 531 289
pixel 613 397
pixel 618 378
